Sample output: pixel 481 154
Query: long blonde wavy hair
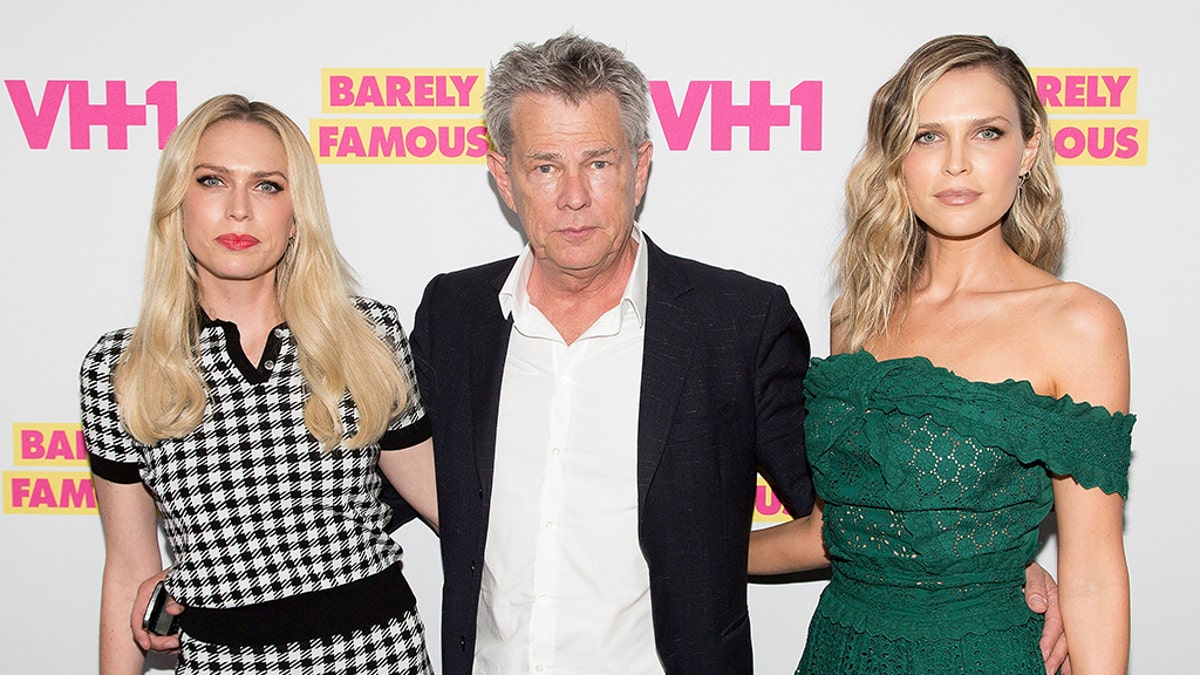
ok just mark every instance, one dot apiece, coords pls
pixel 884 244
pixel 159 386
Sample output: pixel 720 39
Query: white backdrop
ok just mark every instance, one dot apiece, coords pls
pixel 75 221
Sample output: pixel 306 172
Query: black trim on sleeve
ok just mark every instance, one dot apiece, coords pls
pixel 398 439
pixel 125 473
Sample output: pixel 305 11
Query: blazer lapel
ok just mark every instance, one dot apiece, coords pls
pixel 669 341
pixel 489 348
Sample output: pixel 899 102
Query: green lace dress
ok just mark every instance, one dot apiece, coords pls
pixel 934 487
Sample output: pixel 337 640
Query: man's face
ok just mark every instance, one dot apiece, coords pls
pixel 571 180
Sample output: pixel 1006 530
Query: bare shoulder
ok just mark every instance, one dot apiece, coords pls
pixel 839 330
pixel 1084 337
pixel 1083 316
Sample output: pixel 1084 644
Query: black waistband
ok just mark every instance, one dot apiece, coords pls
pixel 359 604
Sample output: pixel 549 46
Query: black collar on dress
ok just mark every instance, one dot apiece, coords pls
pixel 255 374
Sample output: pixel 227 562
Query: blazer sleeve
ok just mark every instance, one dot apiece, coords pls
pixel 783 354
pixel 419 349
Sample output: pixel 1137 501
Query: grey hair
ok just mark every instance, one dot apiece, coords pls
pixel 572 67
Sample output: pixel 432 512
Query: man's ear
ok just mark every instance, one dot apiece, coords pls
pixel 645 153
pixel 498 166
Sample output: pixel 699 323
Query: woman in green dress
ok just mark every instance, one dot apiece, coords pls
pixel 969 390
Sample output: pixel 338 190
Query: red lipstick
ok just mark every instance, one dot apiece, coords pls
pixel 237 242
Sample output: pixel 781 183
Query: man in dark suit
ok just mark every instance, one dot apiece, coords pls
pixel 717 361
pixel 599 406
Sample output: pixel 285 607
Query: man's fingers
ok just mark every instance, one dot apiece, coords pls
pixel 1057 661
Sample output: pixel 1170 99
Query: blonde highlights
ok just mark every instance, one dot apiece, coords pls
pixel 160 388
pixel 884 244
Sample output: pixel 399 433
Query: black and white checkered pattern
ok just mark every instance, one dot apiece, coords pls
pixel 252 508
pixel 397 646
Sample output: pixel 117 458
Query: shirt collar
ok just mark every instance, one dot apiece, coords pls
pixel 514 294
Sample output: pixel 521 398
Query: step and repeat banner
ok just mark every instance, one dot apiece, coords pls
pixel 759 111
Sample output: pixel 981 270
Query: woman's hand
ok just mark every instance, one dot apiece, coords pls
pixel 145 639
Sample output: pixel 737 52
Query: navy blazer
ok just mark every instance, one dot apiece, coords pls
pixel 721 395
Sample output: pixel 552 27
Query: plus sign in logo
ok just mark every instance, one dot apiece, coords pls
pixel 116 114
pixel 759 115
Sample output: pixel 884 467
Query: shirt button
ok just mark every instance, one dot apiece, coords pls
pixel 269 365
pixel 549 524
pixel 539 668
pixel 564 379
pixel 554 452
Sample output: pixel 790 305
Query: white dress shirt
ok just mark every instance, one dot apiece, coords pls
pixel 565 586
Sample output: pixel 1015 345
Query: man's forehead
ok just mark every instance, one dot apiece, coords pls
pixel 544 124
pixel 600 108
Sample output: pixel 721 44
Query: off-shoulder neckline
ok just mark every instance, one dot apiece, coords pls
pixel 1024 387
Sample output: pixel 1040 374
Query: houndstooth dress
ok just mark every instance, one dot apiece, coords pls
pixel 274 540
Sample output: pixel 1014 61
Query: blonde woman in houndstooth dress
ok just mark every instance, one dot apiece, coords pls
pixel 250 407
